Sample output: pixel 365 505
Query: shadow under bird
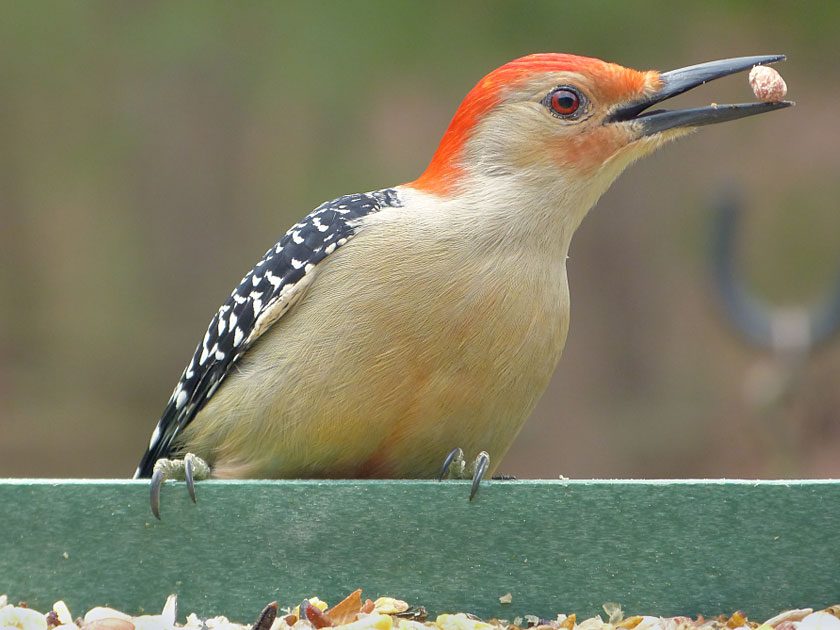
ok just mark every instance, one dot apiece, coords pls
pixel 393 330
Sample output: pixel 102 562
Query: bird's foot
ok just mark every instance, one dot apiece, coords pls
pixel 190 469
pixel 455 467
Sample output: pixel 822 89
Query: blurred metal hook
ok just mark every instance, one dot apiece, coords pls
pixel 789 331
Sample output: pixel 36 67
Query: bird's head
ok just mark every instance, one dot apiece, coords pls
pixel 573 120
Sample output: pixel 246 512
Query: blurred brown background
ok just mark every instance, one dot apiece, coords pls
pixel 150 152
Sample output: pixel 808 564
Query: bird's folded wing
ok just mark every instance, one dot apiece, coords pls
pixel 263 296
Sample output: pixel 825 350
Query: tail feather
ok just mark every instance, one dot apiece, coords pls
pixel 161 443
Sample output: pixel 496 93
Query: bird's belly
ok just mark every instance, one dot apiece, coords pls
pixel 367 389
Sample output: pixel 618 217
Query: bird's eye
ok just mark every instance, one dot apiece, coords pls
pixel 565 102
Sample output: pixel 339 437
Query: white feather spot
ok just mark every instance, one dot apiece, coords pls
pixel 222 325
pixel 296 237
pixel 255 280
pixel 257 304
pixel 179 402
pixel 156 434
pixel 220 355
pixel 297 264
pixel 274 280
pixel 308 268
pixel 233 319
pixel 238 335
pixel 330 248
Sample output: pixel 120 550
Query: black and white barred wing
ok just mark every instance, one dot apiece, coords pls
pixel 263 296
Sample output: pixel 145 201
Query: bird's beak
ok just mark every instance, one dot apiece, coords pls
pixel 678 81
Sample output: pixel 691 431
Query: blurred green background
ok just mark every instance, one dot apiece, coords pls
pixel 151 151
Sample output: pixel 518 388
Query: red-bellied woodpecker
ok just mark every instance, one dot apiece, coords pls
pixel 388 327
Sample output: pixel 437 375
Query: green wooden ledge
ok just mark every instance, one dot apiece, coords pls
pixel 655 547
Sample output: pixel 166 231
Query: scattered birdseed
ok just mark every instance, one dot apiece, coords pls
pixel 767 84
pixel 352 614
pixel 797 614
pixel 389 606
pixel 267 617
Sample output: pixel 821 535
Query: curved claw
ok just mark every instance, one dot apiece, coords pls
pixel 154 491
pixel 455 453
pixel 188 476
pixel 191 469
pixel 482 463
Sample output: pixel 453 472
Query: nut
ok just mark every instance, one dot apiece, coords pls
pixel 767 84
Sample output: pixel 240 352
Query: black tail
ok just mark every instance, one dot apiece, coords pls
pixel 161 446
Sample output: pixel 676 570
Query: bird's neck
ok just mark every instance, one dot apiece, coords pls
pixel 537 216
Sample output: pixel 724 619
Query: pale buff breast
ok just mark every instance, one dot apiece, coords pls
pixel 394 356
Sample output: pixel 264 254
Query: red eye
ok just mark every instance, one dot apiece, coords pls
pixel 564 102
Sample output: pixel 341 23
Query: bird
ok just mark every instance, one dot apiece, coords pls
pixel 390 330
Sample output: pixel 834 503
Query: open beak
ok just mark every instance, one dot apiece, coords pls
pixel 678 81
